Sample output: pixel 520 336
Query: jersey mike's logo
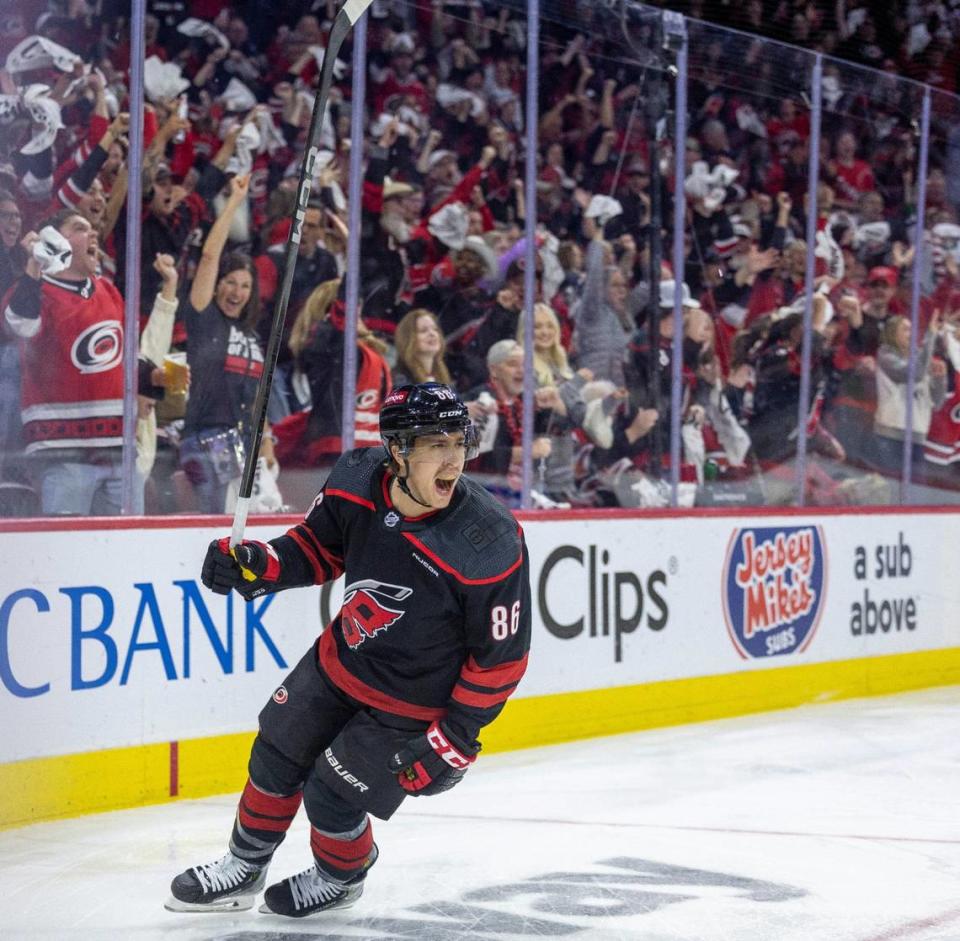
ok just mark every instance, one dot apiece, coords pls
pixel 98 348
pixel 365 611
pixel 774 583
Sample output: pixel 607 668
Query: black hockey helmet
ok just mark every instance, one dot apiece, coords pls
pixel 427 408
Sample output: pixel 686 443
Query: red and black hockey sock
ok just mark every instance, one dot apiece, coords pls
pixel 344 857
pixel 261 823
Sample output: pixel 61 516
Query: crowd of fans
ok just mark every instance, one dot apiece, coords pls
pixel 229 91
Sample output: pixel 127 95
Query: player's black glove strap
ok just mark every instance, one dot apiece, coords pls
pixel 252 568
pixel 431 763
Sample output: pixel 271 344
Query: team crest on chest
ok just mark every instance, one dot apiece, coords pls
pixel 366 610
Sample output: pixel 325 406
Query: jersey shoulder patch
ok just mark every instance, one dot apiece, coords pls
pixel 480 541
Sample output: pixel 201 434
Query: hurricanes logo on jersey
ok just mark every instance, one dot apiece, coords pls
pixel 99 348
pixel 365 611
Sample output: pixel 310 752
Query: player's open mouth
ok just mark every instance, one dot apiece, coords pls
pixel 445 485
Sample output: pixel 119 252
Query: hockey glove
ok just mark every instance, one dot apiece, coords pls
pixel 431 763
pixel 251 567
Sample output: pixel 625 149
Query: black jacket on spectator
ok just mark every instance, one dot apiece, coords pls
pixel 382 266
pixel 174 235
pixel 777 397
pixel 307 274
pixel 467 347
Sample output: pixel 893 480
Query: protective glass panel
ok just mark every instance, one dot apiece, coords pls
pixel 746 177
pixel 439 212
pixel 869 151
pixel 936 438
pixel 63 145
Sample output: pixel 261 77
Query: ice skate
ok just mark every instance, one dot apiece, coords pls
pixel 309 893
pixel 229 884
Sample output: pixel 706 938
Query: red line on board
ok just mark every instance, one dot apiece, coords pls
pixel 174 769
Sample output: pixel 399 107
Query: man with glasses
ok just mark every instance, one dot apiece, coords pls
pixel 431 640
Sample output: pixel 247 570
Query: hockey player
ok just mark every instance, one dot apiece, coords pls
pixel 431 640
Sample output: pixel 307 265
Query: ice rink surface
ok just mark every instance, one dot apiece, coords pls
pixel 834 822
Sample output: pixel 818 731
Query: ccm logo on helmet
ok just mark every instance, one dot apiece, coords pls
pixel 98 348
pixel 456 413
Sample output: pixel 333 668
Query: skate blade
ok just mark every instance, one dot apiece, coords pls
pixel 238 903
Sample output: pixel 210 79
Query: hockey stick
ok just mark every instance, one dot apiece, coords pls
pixel 350 12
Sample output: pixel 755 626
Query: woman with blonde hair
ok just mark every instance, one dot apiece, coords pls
pixel 420 347
pixel 559 402
pixel 316 341
pixel 550 363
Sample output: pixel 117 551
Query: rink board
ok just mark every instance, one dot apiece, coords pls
pixel 124 682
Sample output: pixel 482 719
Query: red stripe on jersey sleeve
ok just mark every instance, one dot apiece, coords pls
pixel 469 697
pixel 459 576
pixel 352 497
pixel 495 677
pixel 319 576
pixel 352 686
pixel 334 561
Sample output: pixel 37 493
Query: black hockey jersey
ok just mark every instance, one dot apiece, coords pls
pixel 435 621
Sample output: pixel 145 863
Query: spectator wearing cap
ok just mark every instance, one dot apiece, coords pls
pixel 881 302
pixel 649 359
pixel 386 232
pixel 172 214
pixel 443 174
pixel 446 225
pixel 460 284
pixel 851 409
pixel 494 320
pixel 635 199
pixel 773 423
pixel 443 231
pixel 496 407
pixel 398 81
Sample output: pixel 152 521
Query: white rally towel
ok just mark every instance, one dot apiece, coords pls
pixel 37 52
